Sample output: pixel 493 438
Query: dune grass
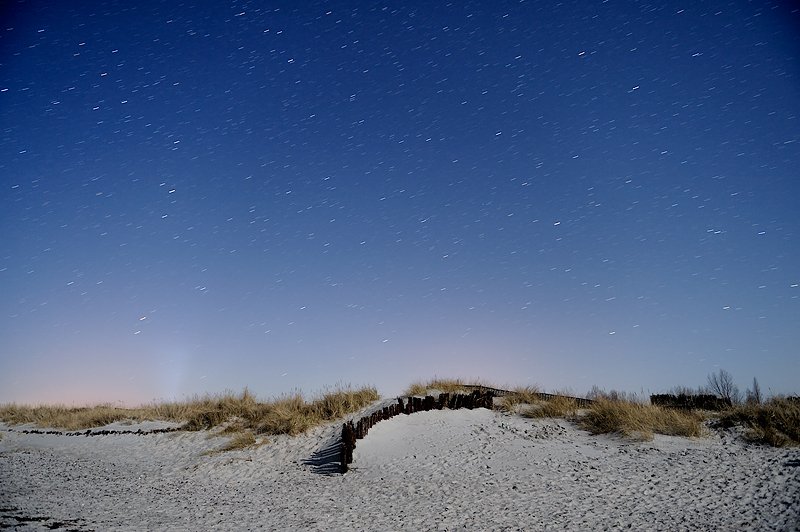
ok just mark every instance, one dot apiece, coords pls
pixel 612 412
pixel 438 384
pixel 246 420
pixel 775 422
pixel 639 421
pixel 558 406
pixel 290 414
pixel 609 413
pixel 239 441
pixel 521 395
pixel 72 418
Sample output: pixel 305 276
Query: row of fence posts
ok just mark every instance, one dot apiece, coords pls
pixel 90 432
pixel 356 431
pixel 579 401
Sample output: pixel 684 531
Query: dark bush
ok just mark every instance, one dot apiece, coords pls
pixel 690 402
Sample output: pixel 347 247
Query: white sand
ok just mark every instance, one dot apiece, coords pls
pixel 439 470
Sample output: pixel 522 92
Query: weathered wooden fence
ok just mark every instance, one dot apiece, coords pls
pixel 580 401
pixel 97 432
pixel 479 397
pixel 356 431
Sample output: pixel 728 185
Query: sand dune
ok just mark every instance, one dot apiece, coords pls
pixel 437 470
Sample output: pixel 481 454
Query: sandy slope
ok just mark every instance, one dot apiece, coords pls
pixel 438 470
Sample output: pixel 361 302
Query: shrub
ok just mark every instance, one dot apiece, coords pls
pixel 690 402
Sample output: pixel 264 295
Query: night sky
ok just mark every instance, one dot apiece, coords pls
pixel 204 196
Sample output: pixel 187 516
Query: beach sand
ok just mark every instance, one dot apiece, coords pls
pixel 438 470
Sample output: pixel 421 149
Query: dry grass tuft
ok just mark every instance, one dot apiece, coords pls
pixel 558 406
pixel 416 388
pixel 526 395
pixel 445 386
pixel 211 411
pixel 232 426
pixel 776 422
pixel 241 440
pixel 333 404
pixel 640 421
pixel 442 385
pixel 287 415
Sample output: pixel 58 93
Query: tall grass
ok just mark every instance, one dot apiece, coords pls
pixel 639 421
pixel 775 422
pixel 290 414
pixel 521 395
pixel 71 418
pixel 205 412
pixel 438 384
pixel 558 406
pixel 239 440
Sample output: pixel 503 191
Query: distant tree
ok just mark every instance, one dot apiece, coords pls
pixel 685 390
pixel 722 385
pixel 754 394
pixel 596 394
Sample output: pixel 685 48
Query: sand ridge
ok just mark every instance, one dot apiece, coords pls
pixel 438 470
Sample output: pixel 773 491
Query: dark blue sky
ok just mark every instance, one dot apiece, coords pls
pixel 212 195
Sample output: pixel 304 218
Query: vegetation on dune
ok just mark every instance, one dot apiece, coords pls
pixel 240 441
pixel 616 412
pixel 243 439
pixel 558 406
pixel 775 422
pixel 437 384
pixel 596 393
pixel 71 418
pixel 640 421
pixel 290 414
pixel 523 395
pixel 246 420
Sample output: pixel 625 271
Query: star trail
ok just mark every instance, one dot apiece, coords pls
pixel 203 196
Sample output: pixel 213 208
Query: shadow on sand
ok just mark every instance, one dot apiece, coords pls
pixel 327 460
